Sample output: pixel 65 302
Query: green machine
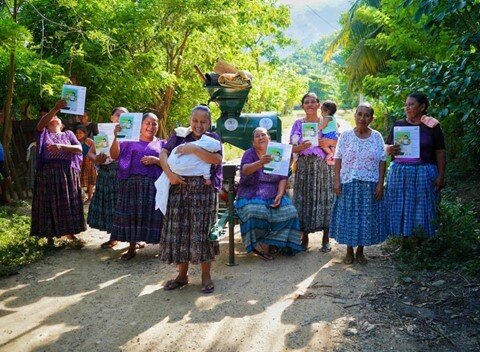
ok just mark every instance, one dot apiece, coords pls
pixel 236 129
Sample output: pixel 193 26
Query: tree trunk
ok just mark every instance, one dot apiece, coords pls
pixel 163 109
pixel 7 112
pixel 15 184
pixel 7 109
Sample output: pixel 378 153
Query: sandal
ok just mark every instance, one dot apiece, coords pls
pixel 128 255
pixel 208 288
pixel 108 244
pixel 174 284
pixel 361 259
pixel 326 247
pixel 262 255
pixel 348 260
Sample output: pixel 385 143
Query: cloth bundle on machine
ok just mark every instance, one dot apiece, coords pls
pixel 238 80
pixel 184 165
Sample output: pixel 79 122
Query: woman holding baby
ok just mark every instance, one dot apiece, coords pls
pixel 192 205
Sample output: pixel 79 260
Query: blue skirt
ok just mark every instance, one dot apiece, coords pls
pixel 411 199
pixel 136 219
pixel 273 226
pixel 358 219
pixel 104 200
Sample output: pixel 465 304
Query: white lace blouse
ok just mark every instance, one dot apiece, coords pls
pixel 360 157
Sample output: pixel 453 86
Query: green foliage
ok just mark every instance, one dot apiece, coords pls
pixel 140 54
pixel 432 47
pixel 17 247
pixel 456 244
pixel 324 78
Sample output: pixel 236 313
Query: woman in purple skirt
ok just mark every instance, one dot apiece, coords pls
pixel 135 219
pixel 57 206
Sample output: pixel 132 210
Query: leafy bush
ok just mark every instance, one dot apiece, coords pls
pixel 455 246
pixel 17 247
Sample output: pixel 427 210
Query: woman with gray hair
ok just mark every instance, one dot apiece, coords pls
pixel 192 205
pixel 267 215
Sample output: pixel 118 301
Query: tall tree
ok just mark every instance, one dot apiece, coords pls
pixel 140 54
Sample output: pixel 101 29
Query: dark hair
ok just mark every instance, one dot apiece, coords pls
pixel 149 114
pixel 310 94
pixel 421 99
pixel 330 106
pixel 81 128
pixel 202 107
pixel 367 105
pixel 119 108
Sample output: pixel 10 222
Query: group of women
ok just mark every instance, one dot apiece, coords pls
pixel 346 201
pixel 124 200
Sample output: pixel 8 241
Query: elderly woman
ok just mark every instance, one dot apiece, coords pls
pixel 102 206
pixel 413 184
pixel 313 186
pixel 135 219
pixel 358 215
pixel 192 206
pixel 267 215
pixel 57 207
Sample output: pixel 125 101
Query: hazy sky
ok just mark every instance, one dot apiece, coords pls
pixel 313 19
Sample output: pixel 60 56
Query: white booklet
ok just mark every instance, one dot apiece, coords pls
pixel 408 138
pixel 131 122
pixel 281 154
pixel 75 98
pixel 310 132
pixel 103 140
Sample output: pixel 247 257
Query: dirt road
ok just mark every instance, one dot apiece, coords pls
pixel 89 300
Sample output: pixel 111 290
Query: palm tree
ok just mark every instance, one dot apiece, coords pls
pixel 361 58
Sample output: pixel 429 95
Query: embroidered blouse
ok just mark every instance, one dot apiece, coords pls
pixel 360 156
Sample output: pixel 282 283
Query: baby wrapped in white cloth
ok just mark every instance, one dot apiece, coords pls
pixel 185 165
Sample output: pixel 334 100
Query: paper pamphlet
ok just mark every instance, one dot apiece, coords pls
pixel 408 138
pixel 103 140
pixel 281 154
pixel 75 98
pixel 310 132
pixel 131 124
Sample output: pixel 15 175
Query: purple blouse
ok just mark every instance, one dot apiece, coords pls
pixel 296 133
pixel 431 140
pixel 129 160
pixel 216 174
pixel 46 138
pixel 259 184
